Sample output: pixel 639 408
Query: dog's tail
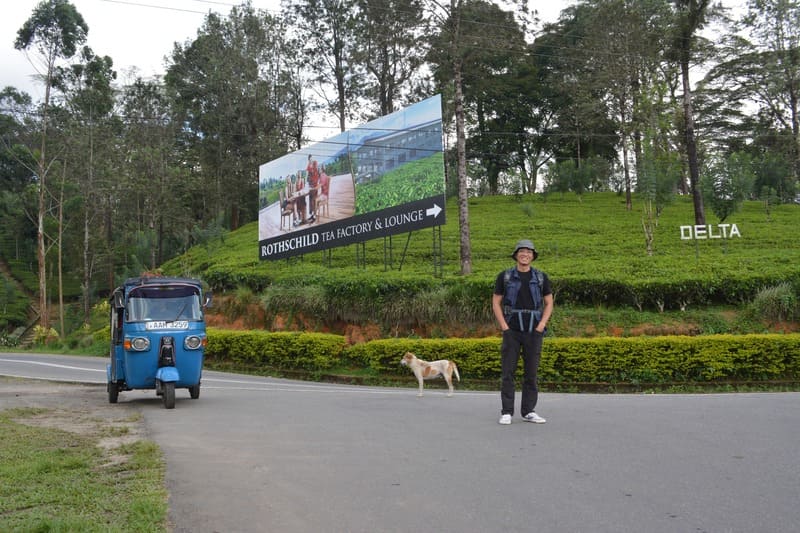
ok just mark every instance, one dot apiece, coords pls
pixel 455 371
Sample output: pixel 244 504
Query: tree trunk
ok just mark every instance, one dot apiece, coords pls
pixel 463 191
pixel 691 146
pixel 62 332
pixel 41 253
pixel 110 245
pixel 627 171
pixel 87 199
pixel 625 156
pixel 86 269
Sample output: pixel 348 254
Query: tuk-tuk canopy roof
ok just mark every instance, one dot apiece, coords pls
pixel 155 282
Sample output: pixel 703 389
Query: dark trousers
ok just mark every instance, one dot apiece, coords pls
pixel 531 345
pixel 312 201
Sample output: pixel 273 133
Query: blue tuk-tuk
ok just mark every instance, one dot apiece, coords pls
pixel 158 337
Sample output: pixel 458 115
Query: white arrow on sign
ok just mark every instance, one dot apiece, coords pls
pixel 435 210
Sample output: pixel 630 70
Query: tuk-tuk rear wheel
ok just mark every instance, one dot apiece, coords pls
pixel 169 395
pixel 194 391
pixel 113 392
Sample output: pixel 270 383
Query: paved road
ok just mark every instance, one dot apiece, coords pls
pixel 259 454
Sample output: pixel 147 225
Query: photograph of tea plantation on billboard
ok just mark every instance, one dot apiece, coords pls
pixel 381 178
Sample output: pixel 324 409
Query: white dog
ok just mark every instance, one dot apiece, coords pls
pixel 427 370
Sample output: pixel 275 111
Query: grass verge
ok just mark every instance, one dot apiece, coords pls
pixel 90 477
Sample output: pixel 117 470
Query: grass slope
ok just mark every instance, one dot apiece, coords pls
pixel 592 240
pixel 590 236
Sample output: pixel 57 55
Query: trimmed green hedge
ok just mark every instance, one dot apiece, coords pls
pixel 636 360
pixel 286 351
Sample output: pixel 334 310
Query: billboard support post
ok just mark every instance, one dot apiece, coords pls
pixel 388 255
pixel 405 249
pixel 361 255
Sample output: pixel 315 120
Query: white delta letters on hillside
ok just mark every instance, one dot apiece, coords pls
pixel 709 231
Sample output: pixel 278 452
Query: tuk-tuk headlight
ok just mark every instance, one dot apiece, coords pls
pixel 193 342
pixel 140 344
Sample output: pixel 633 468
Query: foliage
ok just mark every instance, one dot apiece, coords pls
pixel 727 183
pixel 389 49
pixel 776 303
pixel 14 305
pixel 229 75
pixel 263 350
pixel 8 340
pixel 43 335
pixel 663 359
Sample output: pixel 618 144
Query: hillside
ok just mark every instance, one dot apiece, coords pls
pixel 591 246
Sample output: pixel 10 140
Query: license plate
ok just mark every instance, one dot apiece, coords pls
pixel 163 324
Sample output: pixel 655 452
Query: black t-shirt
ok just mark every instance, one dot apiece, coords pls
pixel 524 298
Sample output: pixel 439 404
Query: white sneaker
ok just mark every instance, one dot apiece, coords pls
pixel 533 417
pixel 505 419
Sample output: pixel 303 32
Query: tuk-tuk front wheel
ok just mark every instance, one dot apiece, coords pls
pixel 113 392
pixel 194 391
pixel 168 395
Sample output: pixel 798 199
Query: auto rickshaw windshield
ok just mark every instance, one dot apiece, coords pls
pixel 167 304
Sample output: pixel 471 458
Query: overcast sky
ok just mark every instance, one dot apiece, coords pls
pixel 138 33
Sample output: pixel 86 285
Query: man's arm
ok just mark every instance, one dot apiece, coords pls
pixel 497 308
pixel 546 312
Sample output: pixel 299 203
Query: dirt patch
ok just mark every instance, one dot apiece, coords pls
pixel 79 409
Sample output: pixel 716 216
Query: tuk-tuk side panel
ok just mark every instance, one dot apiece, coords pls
pixel 116 367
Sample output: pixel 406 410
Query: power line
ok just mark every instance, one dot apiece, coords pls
pixel 167 8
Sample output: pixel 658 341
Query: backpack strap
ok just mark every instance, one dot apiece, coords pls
pixel 506 277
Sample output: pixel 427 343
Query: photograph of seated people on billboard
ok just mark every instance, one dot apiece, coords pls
pixel 302 192
pixel 341 190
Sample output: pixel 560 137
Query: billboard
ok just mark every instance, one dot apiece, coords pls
pixel 378 179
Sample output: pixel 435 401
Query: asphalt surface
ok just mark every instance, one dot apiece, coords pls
pixel 261 454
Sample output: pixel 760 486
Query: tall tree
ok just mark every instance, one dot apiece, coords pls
pixel 500 92
pixel 454 52
pixel 54 30
pixel 761 66
pixel 228 104
pixel 326 28
pixel 775 28
pixel 580 124
pixel 390 44
pixel 459 38
pixel 691 17
pixel 89 97
pixel 623 38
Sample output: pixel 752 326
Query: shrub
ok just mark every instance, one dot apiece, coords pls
pixel 44 336
pixel 776 303
pixel 640 360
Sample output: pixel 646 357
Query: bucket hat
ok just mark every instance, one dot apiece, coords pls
pixel 525 243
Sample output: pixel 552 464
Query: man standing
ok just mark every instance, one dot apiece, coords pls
pixel 522 304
